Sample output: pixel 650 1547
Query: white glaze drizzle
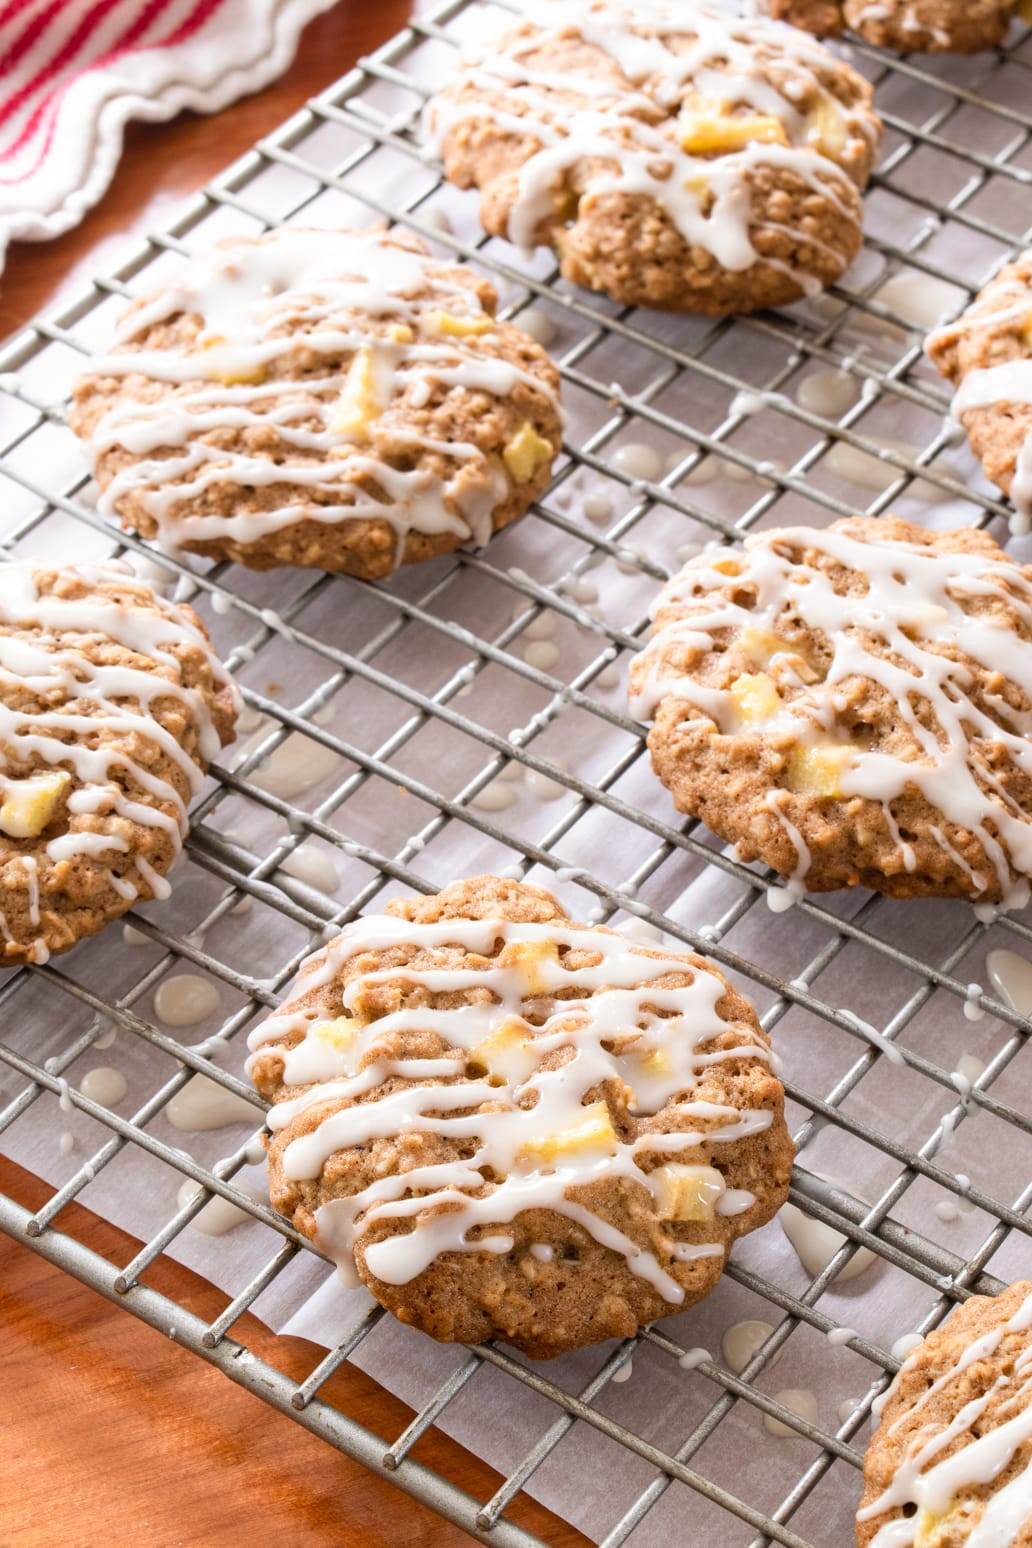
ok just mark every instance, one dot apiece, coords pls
pixel 260 303
pixel 31 868
pixel 44 656
pixel 618 1000
pixel 994 387
pixel 616 130
pixel 998 386
pixel 930 1485
pixel 914 601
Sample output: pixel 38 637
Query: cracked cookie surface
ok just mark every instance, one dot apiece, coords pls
pixel 950 1464
pixel 112 704
pixel 672 155
pixel 987 354
pixel 514 1125
pixel 852 706
pixel 909 26
pixel 333 399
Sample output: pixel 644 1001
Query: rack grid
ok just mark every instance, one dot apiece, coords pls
pixel 430 672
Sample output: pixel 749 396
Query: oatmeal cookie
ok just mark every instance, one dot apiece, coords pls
pixel 335 399
pixel 112 704
pixel 910 26
pixel 672 155
pixel 502 1118
pixel 987 354
pixel 852 706
pixel 951 1461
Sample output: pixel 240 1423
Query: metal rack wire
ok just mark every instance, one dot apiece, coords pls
pixel 426 678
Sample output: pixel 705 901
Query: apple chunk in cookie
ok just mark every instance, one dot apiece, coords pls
pixel 852 706
pixel 112 705
pixel 671 154
pixel 987 355
pixel 516 1125
pixel 950 1464
pixel 333 399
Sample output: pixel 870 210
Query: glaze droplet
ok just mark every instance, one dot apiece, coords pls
pixel 204 1104
pixel 816 1244
pixel 185 999
pixel 798 1400
pixel 741 1341
pixel 104 1085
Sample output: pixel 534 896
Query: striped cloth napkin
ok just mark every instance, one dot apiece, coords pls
pixel 72 72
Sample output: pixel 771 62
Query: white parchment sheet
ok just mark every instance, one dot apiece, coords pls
pixel 588 1479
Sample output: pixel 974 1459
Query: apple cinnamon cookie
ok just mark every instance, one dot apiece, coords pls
pixel 852 706
pixel 950 1464
pixel 987 355
pixel 335 399
pixel 112 704
pixel 672 155
pixel 909 26
pixel 517 1126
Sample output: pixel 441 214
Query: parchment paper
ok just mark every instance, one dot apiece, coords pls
pixel 588 1479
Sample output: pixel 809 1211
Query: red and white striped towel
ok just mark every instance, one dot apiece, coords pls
pixel 72 72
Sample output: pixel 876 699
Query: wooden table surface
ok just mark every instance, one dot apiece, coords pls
pixel 111 1433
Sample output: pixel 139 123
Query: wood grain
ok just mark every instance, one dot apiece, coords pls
pixel 111 1433
pixel 122 1436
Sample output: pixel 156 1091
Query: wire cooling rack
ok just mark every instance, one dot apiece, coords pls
pixel 417 697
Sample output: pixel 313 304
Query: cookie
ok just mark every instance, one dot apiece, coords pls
pixel 987 354
pixel 112 704
pixel 910 26
pixel 672 155
pixel 852 706
pixel 518 1126
pixel 951 1461
pixel 335 399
